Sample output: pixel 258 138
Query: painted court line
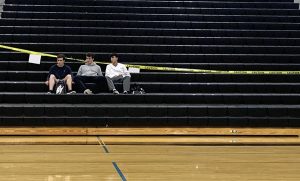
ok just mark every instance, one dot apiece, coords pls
pixel 106 150
pixel 102 144
pixel 119 171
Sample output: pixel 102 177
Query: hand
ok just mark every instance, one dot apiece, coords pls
pixel 117 75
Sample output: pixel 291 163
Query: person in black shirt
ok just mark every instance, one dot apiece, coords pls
pixel 60 71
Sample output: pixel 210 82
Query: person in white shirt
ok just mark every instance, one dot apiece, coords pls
pixel 90 73
pixel 117 72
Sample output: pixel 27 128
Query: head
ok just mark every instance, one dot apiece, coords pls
pixel 60 60
pixel 89 58
pixel 114 58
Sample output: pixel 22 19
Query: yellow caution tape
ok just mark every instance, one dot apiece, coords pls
pixel 171 69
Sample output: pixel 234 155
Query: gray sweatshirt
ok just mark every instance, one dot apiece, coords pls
pixel 90 70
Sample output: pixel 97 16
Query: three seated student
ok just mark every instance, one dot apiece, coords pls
pixel 58 72
pixel 117 72
pixel 90 73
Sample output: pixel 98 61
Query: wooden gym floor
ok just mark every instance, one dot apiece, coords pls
pixel 145 158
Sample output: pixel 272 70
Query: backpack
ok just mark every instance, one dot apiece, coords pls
pixel 60 87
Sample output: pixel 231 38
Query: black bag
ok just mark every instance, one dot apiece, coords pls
pixel 60 87
pixel 136 89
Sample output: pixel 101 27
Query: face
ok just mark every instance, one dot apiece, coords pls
pixel 60 62
pixel 89 60
pixel 114 59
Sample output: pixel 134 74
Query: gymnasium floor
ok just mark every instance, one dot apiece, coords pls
pixel 95 160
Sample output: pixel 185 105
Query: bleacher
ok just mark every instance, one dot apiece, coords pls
pixel 211 34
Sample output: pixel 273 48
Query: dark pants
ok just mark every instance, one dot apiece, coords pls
pixel 100 82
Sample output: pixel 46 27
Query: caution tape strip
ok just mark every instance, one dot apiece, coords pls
pixel 156 68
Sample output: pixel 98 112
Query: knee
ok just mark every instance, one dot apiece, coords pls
pixel 68 77
pixel 52 77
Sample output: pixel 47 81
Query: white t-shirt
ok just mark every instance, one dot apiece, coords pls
pixel 113 71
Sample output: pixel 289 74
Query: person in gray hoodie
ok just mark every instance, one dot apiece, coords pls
pixel 90 73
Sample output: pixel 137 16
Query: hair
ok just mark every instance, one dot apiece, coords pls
pixel 61 56
pixel 114 55
pixel 89 54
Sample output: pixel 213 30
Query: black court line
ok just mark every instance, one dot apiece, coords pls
pixel 106 150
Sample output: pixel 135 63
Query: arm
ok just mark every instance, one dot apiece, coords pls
pixel 125 72
pixel 108 71
pixel 51 71
pixel 99 72
pixel 79 70
pixel 69 71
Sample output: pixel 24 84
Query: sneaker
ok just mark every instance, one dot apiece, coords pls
pixel 115 91
pixel 125 92
pixel 72 92
pixel 49 92
pixel 88 91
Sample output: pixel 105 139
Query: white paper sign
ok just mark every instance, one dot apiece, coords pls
pixel 134 70
pixel 35 59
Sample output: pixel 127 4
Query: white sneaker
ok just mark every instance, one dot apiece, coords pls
pixel 88 91
pixel 115 91
pixel 72 92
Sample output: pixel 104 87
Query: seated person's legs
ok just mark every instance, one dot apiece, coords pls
pixel 111 81
pixel 101 83
pixel 126 84
pixel 125 80
pixel 110 84
pixel 68 79
pixel 80 82
pixel 51 83
pixel 53 80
